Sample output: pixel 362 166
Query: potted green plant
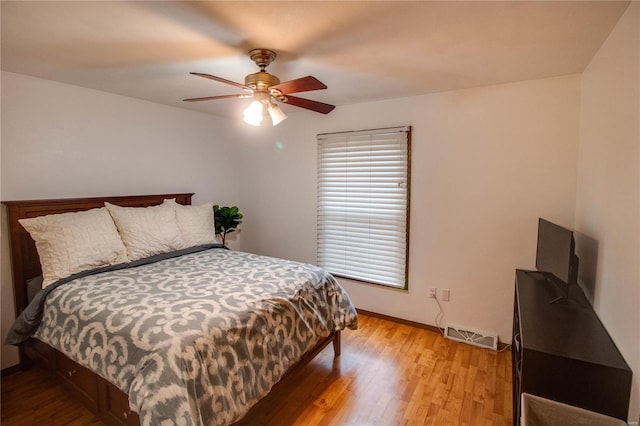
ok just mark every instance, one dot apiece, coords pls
pixel 226 220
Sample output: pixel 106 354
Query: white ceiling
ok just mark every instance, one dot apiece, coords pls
pixel 363 51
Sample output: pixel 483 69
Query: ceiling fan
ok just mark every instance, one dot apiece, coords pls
pixel 266 90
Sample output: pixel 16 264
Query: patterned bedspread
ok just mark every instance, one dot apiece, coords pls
pixel 199 338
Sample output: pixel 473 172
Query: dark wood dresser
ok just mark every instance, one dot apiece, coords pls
pixel 562 351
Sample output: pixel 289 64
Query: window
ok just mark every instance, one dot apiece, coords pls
pixel 363 204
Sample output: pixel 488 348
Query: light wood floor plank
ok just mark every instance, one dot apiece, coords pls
pixel 388 374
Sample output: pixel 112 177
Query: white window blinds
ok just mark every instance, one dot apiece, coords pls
pixel 363 204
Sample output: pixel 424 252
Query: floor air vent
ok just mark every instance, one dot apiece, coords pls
pixel 472 337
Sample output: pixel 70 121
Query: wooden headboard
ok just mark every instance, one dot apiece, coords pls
pixel 24 257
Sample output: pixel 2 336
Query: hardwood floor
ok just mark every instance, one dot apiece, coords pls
pixel 388 374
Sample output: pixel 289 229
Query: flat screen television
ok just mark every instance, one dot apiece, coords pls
pixel 555 256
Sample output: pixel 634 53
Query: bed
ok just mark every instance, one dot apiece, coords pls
pixel 195 335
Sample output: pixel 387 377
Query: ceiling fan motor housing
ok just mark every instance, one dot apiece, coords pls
pixel 261 80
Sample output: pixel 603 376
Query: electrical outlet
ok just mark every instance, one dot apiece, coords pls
pixel 446 294
pixel 433 291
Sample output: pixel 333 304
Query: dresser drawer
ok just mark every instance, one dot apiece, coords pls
pixel 80 381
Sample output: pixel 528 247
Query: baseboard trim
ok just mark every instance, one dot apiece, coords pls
pixel 401 321
pixel 10 370
pixel 501 346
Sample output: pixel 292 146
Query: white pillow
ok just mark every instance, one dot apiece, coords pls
pixel 147 231
pixel 195 223
pixel 69 243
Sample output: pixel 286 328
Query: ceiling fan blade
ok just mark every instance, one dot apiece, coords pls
pixel 304 84
pixel 221 80
pixel 210 98
pixel 309 104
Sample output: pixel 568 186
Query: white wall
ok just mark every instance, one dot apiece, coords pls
pixel 608 189
pixel 62 141
pixel 487 162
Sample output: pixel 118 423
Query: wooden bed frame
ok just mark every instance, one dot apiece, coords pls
pixel 99 395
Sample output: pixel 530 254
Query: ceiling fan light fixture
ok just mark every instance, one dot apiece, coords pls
pixel 277 115
pixel 253 113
